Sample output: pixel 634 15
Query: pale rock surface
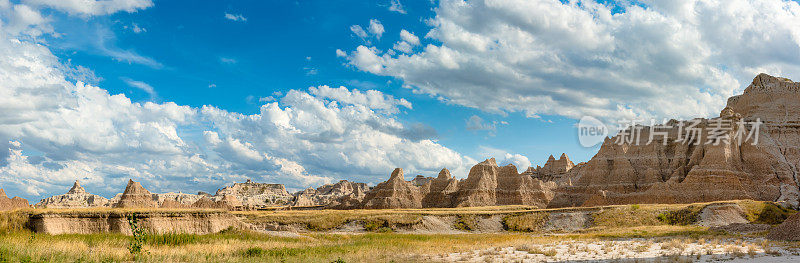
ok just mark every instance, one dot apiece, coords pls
pixel 176 199
pixel 252 194
pixel 329 194
pixel 76 197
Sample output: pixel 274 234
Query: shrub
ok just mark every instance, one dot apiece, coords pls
pixel 135 247
pixel 466 223
pixel 682 217
pixel 528 222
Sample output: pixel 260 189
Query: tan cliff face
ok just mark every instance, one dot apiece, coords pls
pixel 11 203
pixel 394 193
pixel 687 172
pixel 135 196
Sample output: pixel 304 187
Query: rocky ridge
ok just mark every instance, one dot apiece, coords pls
pixel 76 197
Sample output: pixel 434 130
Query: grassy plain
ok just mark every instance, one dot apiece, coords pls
pixel 317 244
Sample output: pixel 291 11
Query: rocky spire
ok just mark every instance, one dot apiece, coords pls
pixel 77 188
pixel 444 174
pixel 397 173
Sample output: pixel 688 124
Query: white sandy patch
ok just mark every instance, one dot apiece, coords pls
pixel 634 250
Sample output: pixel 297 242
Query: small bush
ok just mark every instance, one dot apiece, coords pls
pixel 466 223
pixel 528 222
pixel 683 217
pixel 374 224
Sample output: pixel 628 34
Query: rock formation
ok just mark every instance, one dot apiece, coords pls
pixel 553 170
pixel 11 203
pixel 135 196
pixel 789 230
pixel 330 193
pixel 695 169
pixel 252 194
pixel 176 200
pixel 394 193
pixel 440 190
pixel 76 197
pixel 488 185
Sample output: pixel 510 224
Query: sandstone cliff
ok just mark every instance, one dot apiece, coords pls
pixel 76 197
pixel 135 196
pixel 11 203
pixel 394 193
pixel 694 170
pixel 487 185
pixel 441 190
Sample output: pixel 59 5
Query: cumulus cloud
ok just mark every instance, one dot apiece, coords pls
pixel 504 158
pixel 92 7
pixel 548 57
pixel 235 17
pixel 54 130
pixel 376 28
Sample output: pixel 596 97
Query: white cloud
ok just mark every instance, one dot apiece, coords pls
pixel 546 57
pixel 476 123
pixel 376 28
pixel 142 86
pixel 235 17
pixel 409 37
pixel 396 6
pixel 504 158
pixel 403 46
pixel 92 7
pixel 372 99
pixel 359 31
pixel 54 131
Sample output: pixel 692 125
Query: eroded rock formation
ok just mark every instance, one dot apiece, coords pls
pixel 690 167
pixel 11 203
pixel 394 193
pixel 135 196
pixel 329 194
pixel 76 197
pixel 487 185
pixel 252 194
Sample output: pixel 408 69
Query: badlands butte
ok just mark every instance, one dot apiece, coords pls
pixel 637 172
pixel 763 168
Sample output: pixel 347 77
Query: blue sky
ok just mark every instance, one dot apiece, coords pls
pixel 194 95
pixel 204 58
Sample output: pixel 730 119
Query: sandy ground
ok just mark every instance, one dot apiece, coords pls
pixel 634 250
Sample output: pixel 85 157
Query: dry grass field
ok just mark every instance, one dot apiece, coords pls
pixel 317 243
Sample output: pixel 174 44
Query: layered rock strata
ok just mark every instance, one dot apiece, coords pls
pixel 329 194
pixel 11 203
pixel 682 166
pixel 252 194
pixel 76 197
pixel 135 196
